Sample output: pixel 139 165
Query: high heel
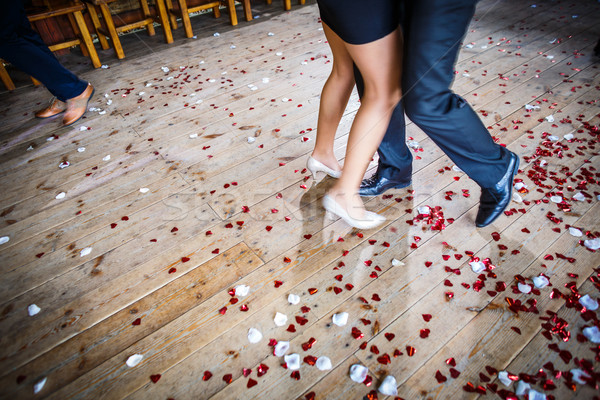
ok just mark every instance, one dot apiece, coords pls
pixel 315 166
pixel 370 219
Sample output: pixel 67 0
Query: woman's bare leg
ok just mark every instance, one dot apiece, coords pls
pixel 380 64
pixel 334 98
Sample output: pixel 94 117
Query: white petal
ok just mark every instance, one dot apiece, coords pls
pixel 424 210
pixel 293 298
pixel 568 136
pixel 588 302
pixel 477 266
pixel 193 135
pixel 281 348
pixel 323 363
pixel 251 139
pixel 553 138
pixel 592 333
pixel 254 335
pixel 517 197
pixel 144 190
pixel 579 196
pixel 270 34
pixel 358 373
pixel 134 360
pixel 340 319
pixel 265 80
pixel 4 239
pixel 39 385
pixel 33 309
pixel 292 361
pixel 503 376
pixel 64 164
pixel 61 195
pixel 578 374
pixel 81 149
pixel 522 387
pixel 280 319
pixel 524 288
pixel 165 69
pixel 397 263
pixel 520 185
pixel 389 386
pixel 106 158
pixel 83 128
pixel 413 144
pixel 540 281
pixel 575 232
pixel 550 118
pixel 85 252
pixel 592 244
pixel 242 290
pixel 556 199
pixel 534 395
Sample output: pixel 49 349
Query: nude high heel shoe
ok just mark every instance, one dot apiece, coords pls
pixel 370 219
pixel 315 166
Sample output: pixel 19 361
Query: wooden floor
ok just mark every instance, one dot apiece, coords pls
pixel 184 183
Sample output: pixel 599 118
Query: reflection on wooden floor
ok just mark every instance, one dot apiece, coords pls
pixel 187 179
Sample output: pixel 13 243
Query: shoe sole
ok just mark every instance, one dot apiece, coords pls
pixel 402 186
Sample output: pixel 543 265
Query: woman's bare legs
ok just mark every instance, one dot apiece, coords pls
pixel 380 64
pixel 334 98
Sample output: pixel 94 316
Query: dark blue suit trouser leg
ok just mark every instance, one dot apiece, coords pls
pixel 433 32
pixel 22 47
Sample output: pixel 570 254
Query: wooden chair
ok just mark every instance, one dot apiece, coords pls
pixel 6 79
pixel 112 30
pixel 184 11
pixel 287 4
pixel 72 9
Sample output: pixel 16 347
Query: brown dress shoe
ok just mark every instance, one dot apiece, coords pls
pixel 56 107
pixel 77 106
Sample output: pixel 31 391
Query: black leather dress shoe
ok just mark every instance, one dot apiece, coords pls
pixel 494 200
pixel 376 185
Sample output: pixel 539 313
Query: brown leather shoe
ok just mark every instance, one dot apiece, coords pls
pixel 56 107
pixel 77 106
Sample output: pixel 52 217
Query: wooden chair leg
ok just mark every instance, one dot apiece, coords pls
pixel 232 12
pixel 172 16
pixel 287 5
pixel 146 12
pixel 247 10
pixel 301 2
pixel 269 2
pixel 77 32
pixel 164 20
pixel 217 12
pixel 185 18
pixel 87 39
pixel 35 81
pixel 10 86
pixel 112 31
pixel 97 26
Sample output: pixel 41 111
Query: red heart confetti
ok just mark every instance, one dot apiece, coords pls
pixel 251 383
pixel 137 321
pixel 207 375
pixel 389 336
pixel 155 378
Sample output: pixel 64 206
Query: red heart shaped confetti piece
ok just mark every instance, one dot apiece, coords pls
pixel 454 373
pixel 268 228
pixel 286 260
pixel 208 233
pixel 439 377
pixel 295 375
pixel 410 351
pixel 155 378
pixel 251 383
pixel 310 396
pixel 244 307
pixel 307 237
pixel 426 317
pixel 451 362
pixel 185 259
pixel 215 251
pixel 375 297
pixel 337 290
pixel 261 370
pixel 357 334
pixel 424 333
pixel 223 310
pixel 174 229
pixel 389 336
pixel 137 321
pixel 113 225
pixel 207 375
pixel 374 349
pixel 310 360
pixel 301 320
pixel 384 359
pixel 245 209
pixel 312 290
pixel 305 309
pixel 291 328
pixel 172 270
pixel 278 283
pixel 349 286
pixel 246 372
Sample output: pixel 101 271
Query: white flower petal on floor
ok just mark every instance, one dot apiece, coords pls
pixel 358 373
pixel 540 281
pixel 575 232
pixel 4 239
pixel 293 298
pixel 592 333
pixel 280 319
pixel 254 335
pixel 323 363
pixel 592 244
pixel 397 263
pixel 503 376
pixel 588 302
pixel 33 309
pixel 524 288
pixel 340 319
pixel 85 252
pixel 579 196
pixel 534 395
pixel 39 385
pixel 281 348
pixel 292 361
pixel 242 290
pixel 389 386
pixel 477 266
pixel 578 374
pixel 61 195
pixel 522 387
pixel 134 360
pixel 144 190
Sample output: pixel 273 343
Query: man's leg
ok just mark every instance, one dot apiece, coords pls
pixel 22 47
pixel 433 34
